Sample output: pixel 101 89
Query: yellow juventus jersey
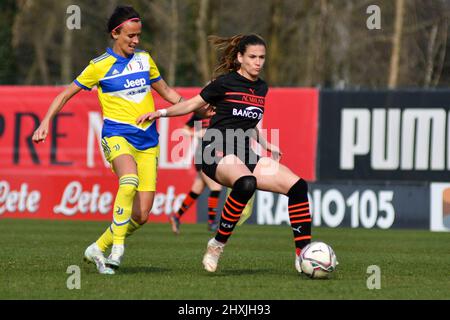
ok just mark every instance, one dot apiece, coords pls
pixel 124 92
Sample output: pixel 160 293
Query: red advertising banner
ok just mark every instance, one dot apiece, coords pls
pixel 295 113
pixel 66 177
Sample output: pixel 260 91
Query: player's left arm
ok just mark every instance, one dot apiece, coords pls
pixel 261 139
pixel 166 92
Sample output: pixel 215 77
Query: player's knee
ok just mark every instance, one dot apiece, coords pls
pixel 246 185
pixel 300 187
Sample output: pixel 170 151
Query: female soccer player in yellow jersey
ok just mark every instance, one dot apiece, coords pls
pixel 124 77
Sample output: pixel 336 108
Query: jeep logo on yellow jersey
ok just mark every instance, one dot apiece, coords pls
pixel 134 83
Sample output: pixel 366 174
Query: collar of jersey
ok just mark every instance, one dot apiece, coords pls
pixel 120 58
pixel 237 74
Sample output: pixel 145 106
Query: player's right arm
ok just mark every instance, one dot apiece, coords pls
pixel 58 103
pixel 86 80
pixel 212 93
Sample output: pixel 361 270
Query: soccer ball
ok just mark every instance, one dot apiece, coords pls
pixel 318 260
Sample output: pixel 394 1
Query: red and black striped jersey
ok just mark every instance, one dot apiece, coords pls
pixel 239 101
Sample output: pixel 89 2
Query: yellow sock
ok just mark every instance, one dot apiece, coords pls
pixel 132 227
pixel 123 206
pixel 106 239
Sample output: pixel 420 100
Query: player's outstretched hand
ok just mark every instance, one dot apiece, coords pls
pixel 41 133
pixel 148 117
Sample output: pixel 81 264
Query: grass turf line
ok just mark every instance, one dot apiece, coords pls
pixel 258 263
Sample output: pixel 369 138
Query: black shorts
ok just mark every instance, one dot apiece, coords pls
pixel 210 157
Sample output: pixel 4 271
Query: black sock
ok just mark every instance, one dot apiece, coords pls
pixel 213 201
pixel 241 193
pixel 299 214
pixel 187 203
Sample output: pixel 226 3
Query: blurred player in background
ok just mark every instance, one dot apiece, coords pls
pixel 124 77
pixel 239 97
pixel 201 180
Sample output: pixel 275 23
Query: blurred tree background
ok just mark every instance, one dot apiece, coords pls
pixel 318 43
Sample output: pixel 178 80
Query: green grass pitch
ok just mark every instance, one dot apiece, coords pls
pixel 257 264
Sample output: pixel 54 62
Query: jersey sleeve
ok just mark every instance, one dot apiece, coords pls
pixel 213 92
pixel 88 78
pixel 154 72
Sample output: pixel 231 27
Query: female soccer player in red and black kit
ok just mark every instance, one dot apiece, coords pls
pixel 239 96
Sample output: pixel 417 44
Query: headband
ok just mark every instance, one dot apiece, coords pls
pixel 132 19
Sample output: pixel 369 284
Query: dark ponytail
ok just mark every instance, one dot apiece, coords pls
pixel 229 49
pixel 120 15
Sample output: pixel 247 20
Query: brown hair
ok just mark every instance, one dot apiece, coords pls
pixel 229 49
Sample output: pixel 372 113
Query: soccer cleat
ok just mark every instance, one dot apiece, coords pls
pixel 212 255
pixel 298 260
pixel 175 222
pixel 115 257
pixel 94 255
